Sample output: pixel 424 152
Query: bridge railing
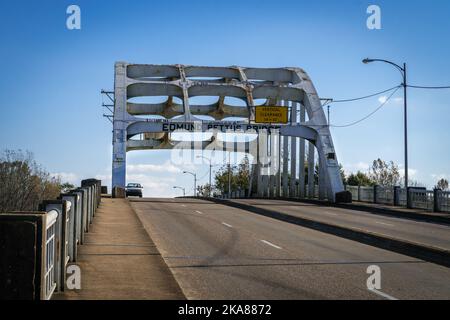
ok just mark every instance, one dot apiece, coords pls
pixel 443 199
pixel 50 254
pixel 419 198
pixel 42 244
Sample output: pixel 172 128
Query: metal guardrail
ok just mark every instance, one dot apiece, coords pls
pixel 64 222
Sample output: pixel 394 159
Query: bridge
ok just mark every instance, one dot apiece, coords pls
pixel 239 91
pixel 283 238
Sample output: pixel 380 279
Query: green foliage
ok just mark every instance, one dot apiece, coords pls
pixel 66 186
pixel 359 179
pixel 239 176
pixel 442 184
pixel 204 191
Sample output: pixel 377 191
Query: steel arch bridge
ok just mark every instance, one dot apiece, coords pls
pixel 179 84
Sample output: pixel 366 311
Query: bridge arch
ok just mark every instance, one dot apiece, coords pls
pixel 290 87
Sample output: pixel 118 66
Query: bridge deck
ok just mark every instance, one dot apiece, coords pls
pixel 120 261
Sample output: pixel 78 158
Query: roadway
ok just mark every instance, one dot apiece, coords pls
pixel 429 234
pixel 218 252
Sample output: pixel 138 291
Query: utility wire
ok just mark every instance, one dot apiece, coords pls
pixel 369 115
pixel 364 97
pixel 428 87
pixel 379 107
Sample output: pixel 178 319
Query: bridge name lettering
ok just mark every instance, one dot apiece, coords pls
pixel 223 127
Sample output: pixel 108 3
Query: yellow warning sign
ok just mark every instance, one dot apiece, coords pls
pixel 271 114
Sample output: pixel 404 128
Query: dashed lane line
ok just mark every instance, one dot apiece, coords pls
pixel 271 244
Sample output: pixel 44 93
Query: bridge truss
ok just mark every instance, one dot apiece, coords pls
pixel 238 91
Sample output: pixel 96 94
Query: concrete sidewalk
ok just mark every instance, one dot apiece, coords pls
pixel 119 260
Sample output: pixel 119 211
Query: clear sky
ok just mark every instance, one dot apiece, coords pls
pixel 51 76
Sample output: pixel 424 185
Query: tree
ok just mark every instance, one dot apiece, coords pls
pixel 243 174
pixel 239 176
pixel 23 183
pixel 204 191
pixel 384 173
pixel 359 179
pixel 342 172
pixel 442 184
pixel 66 186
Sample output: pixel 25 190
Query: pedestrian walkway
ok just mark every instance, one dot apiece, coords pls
pixel 119 260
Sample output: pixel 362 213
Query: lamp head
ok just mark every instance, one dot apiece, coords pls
pixel 367 60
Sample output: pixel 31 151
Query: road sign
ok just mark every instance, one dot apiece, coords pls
pixel 271 114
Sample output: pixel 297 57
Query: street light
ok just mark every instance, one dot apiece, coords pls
pixel 210 169
pixel 195 182
pixel 184 190
pixel 405 107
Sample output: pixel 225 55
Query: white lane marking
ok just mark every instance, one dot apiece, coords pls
pixel 183 205
pixel 330 213
pixel 228 225
pixel 383 223
pixel 271 244
pixel 199 212
pixel 384 295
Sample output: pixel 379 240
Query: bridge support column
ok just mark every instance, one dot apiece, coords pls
pixel 258 168
pixel 119 127
pixel 263 180
pixel 268 170
pixel 285 160
pixel 322 179
pixel 278 186
pixel 301 156
pixel 274 165
pixel 311 170
pixel 293 191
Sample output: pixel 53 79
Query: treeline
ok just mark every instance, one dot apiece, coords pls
pixel 382 173
pixel 24 183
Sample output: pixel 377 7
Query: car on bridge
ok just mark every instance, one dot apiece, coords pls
pixel 134 189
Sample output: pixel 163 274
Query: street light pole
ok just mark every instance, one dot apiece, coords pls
pixel 184 190
pixel 195 181
pixel 405 114
pixel 229 175
pixel 210 171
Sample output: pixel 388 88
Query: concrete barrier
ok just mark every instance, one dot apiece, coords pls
pixel 118 192
pixel 36 247
pixel 22 246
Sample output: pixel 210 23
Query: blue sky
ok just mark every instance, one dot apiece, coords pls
pixel 51 76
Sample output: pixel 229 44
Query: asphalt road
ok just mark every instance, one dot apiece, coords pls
pixel 429 234
pixel 218 252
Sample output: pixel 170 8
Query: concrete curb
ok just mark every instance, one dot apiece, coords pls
pixel 411 215
pixel 416 250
